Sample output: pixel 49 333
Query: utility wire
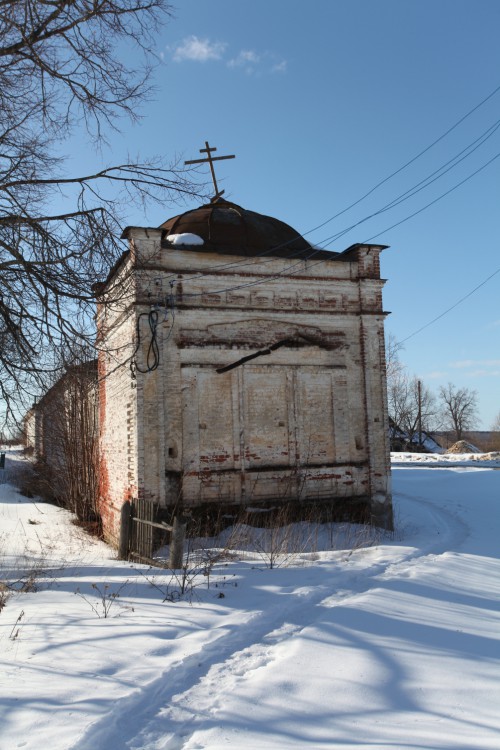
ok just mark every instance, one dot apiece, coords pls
pixel 456 304
pixel 401 198
pixel 407 164
pixel 443 195
pixel 288 271
pixel 410 193
pixel 446 167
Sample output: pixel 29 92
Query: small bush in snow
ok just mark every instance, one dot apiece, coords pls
pixel 105 599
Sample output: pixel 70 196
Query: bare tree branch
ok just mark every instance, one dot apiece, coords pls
pixel 459 408
pixel 412 406
pixel 60 69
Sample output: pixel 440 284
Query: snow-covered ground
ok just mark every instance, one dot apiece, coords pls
pixel 394 645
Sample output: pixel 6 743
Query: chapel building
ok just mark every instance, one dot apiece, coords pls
pixel 241 368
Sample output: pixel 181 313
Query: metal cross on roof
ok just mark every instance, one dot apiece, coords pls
pixel 210 159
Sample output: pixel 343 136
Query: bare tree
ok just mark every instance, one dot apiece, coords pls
pixel 61 71
pixel 412 407
pixel 395 372
pixel 393 364
pixel 458 408
pixel 493 443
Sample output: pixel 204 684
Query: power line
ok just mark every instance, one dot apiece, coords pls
pixel 443 195
pixel 402 197
pixel 311 255
pixel 444 168
pixel 456 304
pixel 411 161
pixel 327 241
pixel 424 183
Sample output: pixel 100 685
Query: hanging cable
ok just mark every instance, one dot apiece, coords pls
pixel 396 201
pixel 456 304
pixel 289 270
pixel 443 195
pixel 411 161
pixel 170 310
pixel 401 198
pixel 153 354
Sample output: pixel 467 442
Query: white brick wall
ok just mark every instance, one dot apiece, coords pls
pixel 185 432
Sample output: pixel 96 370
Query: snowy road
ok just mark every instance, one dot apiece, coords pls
pixel 393 646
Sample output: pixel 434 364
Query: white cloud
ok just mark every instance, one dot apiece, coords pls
pixel 465 363
pixel 280 67
pixel 483 373
pixel 247 57
pixel 198 50
pixel 195 49
pixel 435 375
pixel 257 62
pixel 248 60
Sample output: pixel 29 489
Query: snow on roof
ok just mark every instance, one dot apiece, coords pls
pixel 186 238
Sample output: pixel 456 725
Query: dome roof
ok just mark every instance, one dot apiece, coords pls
pixel 227 228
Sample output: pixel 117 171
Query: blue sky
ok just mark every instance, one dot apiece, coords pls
pixel 321 101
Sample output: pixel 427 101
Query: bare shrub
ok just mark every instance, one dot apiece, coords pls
pixel 200 557
pixel 34 480
pixel 77 433
pixel 4 595
pixel 105 599
pixel 16 628
pixel 280 539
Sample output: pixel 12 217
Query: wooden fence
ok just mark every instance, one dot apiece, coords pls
pixel 137 538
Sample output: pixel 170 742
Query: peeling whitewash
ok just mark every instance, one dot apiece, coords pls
pixel 305 420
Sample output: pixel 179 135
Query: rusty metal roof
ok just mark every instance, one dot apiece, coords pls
pixel 229 229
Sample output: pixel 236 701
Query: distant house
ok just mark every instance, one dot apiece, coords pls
pixel 425 442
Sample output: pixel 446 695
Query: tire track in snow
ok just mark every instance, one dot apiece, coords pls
pixel 165 713
pixel 141 708
pixel 203 699
pixel 452 532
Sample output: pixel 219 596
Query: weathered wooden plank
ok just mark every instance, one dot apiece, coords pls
pixel 163 526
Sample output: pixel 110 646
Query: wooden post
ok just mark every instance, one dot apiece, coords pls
pixel 125 529
pixel 419 385
pixel 177 542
